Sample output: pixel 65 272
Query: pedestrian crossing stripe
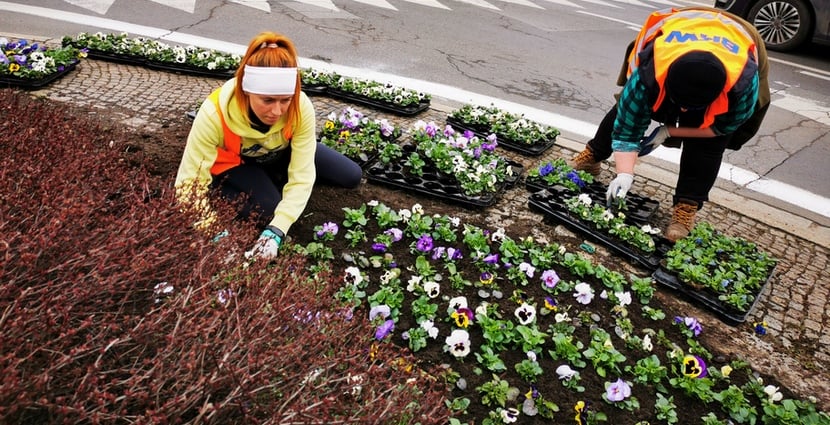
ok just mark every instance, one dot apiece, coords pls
pixel 330 10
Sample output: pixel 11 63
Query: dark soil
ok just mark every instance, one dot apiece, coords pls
pixel 160 151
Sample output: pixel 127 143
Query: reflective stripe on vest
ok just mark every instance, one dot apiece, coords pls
pixel 678 32
pixel 227 156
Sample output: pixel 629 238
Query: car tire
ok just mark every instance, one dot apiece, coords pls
pixel 784 24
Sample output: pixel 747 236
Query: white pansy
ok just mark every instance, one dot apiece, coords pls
pixel 565 372
pixel 623 298
pixel 458 343
pixel 647 343
pixel 583 293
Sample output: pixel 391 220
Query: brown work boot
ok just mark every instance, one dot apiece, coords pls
pixel 682 220
pixel 584 161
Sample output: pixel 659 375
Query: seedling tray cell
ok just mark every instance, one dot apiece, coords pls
pixel 708 299
pixel 408 110
pixel 553 207
pixel 535 149
pixel 639 208
pixel 183 68
pixel 435 183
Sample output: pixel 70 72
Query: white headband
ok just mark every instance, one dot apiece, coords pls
pixel 269 80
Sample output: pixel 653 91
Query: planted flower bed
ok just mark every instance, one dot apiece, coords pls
pixel 638 243
pixel 726 274
pixel 461 168
pixel 156 54
pixel 355 135
pixel 515 132
pixel 528 332
pixel 32 65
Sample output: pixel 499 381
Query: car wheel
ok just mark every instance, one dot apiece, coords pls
pixel 784 24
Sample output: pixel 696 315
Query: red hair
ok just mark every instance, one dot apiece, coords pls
pixel 261 52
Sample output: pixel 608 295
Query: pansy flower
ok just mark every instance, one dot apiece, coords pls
pixel 694 366
pixel 353 276
pixel 565 372
pixel 583 293
pixel 526 313
pixel 383 311
pixel 690 323
pixel 432 289
pixel 463 317
pixel 491 259
pixel 328 228
pixel 384 329
pixel 527 268
pixel 550 278
pixel 424 243
pixel 618 390
pixel 772 393
pixel 458 343
pixel 509 415
pixel 396 233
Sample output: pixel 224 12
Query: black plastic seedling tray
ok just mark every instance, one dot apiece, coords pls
pixel 437 184
pixel 708 299
pixel 553 207
pixel 535 149
pixel 639 209
pixel 408 110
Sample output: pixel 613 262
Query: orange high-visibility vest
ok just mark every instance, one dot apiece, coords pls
pixel 228 155
pixel 675 33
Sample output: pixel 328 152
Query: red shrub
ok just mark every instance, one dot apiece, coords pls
pixel 88 242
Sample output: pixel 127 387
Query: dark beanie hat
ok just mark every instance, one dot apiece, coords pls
pixel 695 79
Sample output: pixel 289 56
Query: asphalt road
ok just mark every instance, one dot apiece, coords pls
pixel 554 60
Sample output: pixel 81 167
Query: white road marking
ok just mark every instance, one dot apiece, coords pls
pixel 813 74
pixel 378 3
pixel 801 106
pixel 97 6
pixel 185 5
pixel 325 4
pixel 745 178
pixel 565 3
pixel 256 4
pixel 430 3
pixel 608 18
pixel 524 3
pixel 479 3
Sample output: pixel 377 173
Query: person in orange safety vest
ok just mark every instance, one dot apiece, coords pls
pixel 254 139
pixel 701 74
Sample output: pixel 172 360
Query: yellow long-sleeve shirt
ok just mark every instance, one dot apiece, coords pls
pixel 206 135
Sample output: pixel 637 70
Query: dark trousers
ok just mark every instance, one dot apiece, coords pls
pixel 700 159
pixel 258 187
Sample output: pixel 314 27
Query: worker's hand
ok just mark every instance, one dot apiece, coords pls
pixel 619 187
pixel 268 245
pixel 653 140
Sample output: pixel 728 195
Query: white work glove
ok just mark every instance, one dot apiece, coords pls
pixel 653 140
pixel 619 187
pixel 268 245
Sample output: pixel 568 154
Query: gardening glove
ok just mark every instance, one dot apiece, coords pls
pixel 653 140
pixel 268 245
pixel 619 187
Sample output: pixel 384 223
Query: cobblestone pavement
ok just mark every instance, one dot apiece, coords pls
pixel 797 346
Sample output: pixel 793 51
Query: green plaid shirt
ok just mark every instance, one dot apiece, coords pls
pixel 634 113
